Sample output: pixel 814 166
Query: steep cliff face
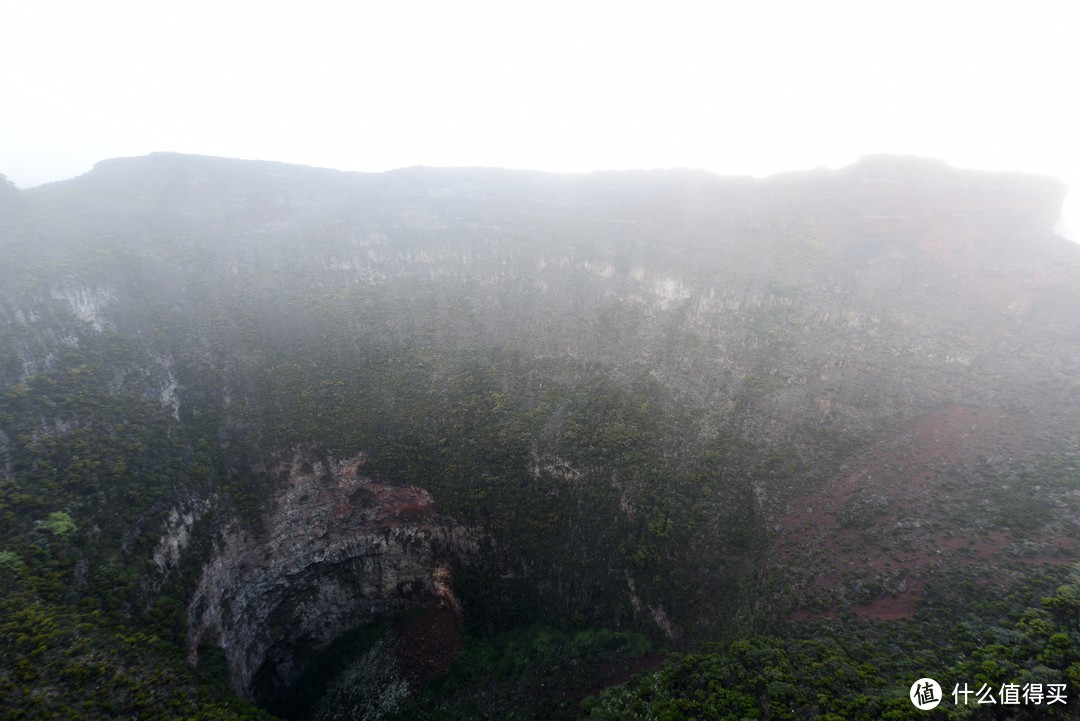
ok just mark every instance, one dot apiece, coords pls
pixel 167 321
pixel 332 550
pixel 800 292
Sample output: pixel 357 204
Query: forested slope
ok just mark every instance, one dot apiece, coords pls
pixel 247 407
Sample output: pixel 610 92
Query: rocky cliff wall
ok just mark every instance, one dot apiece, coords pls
pixel 332 550
pixel 808 310
pixel 892 284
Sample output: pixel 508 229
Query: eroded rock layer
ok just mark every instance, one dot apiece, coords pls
pixel 331 551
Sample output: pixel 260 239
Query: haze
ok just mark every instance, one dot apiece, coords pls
pixel 735 88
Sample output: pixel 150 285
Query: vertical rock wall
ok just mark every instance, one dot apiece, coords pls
pixel 331 551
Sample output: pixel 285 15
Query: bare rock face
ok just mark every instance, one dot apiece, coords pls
pixel 332 550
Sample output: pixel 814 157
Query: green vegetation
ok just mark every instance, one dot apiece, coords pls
pixel 157 348
pixel 59 524
pixel 530 673
pixel 567 463
pixel 92 467
pixel 580 471
pixel 764 678
pixel 60 663
pixel 851 669
pixel 571 464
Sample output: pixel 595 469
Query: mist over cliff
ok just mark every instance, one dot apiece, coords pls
pixel 279 403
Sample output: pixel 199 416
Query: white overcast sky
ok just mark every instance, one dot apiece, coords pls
pixel 750 87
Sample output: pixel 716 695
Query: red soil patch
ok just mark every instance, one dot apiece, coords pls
pixel 617 672
pixel 375 505
pixel 614 673
pixel 884 609
pixel 342 510
pixel 892 516
pixel 429 645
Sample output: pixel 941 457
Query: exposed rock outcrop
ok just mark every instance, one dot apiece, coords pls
pixel 333 550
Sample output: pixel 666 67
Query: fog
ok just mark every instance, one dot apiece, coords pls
pixel 732 88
